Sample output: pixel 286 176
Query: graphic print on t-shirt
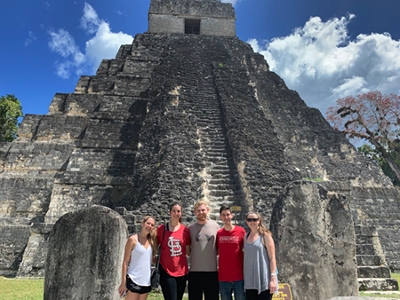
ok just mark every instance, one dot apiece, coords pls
pixel 174 246
pixel 229 239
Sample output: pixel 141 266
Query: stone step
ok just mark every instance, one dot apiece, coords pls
pixel 212 152
pixel 365 230
pixel 377 284
pixel 369 260
pixel 212 137
pixel 218 165
pixel 210 148
pixel 221 193
pixel 214 145
pixel 220 181
pixel 221 147
pixel 220 186
pixel 210 129
pixel 220 176
pixel 223 199
pixel 364 239
pixel 221 160
pixel 365 249
pixel 373 272
pixel 215 171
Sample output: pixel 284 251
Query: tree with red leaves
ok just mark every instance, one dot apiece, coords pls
pixel 374 117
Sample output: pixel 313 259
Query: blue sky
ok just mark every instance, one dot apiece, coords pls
pixel 322 49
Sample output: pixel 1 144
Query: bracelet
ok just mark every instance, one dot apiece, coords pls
pixel 273 274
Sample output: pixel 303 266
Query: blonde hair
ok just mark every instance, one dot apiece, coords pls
pixel 200 202
pixel 261 229
pixel 152 236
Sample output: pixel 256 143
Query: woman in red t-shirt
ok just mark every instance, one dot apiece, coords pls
pixel 174 238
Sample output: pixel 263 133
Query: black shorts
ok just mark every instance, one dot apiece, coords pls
pixel 134 288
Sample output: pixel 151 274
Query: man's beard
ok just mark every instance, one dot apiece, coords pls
pixel 202 217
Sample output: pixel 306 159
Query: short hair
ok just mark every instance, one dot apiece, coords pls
pixel 224 207
pixel 200 202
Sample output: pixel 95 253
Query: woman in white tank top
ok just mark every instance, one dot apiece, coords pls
pixel 136 266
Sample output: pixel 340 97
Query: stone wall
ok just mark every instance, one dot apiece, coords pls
pixel 13 240
pixel 216 18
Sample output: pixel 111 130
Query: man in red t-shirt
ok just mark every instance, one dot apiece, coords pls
pixel 230 264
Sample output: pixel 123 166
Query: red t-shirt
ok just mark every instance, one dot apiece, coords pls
pixel 173 250
pixel 230 247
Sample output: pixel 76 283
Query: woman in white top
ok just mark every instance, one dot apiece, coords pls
pixel 136 266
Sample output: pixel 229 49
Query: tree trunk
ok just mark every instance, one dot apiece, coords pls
pixel 392 165
pixel 386 155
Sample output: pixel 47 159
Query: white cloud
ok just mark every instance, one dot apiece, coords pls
pixel 90 22
pixel 103 45
pixel 321 62
pixel 30 39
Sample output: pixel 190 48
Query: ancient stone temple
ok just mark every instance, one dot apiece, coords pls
pixel 187 112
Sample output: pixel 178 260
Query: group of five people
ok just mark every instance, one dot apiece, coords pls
pixel 222 260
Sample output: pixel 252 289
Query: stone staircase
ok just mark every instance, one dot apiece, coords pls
pixel 372 271
pixel 219 186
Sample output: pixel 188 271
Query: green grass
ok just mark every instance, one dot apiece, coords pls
pixel 13 289
pixel 32 289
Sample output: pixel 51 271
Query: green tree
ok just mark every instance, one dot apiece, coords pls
pixel 374 117
pixel 372 153
pixel 10 111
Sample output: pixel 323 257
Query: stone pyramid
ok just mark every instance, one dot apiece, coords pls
pixel 186 112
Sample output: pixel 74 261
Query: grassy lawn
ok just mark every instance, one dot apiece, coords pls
pixel 32 289
pixel 29 289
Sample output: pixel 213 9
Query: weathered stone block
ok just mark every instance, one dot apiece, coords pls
pixel 64 128
pixel 24 200
pixel 34 157
pixel 32 264
pixel 64 198
pixel 315 245
pixel 373 272
pixel 111 134
pixel 85 254
pixel 28 127
pixel 378 284
pixel 369 260
pixel 13 240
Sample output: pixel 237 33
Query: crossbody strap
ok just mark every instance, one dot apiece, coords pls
pixel 159 247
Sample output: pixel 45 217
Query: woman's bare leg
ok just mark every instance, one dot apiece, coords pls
pixel 135 296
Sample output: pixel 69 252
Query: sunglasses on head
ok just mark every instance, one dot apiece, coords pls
pixel 252 219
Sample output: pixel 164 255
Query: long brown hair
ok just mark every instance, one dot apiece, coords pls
pixel 152 236
pixel 261 229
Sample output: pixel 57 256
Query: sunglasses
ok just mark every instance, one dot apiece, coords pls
pixel 252 219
